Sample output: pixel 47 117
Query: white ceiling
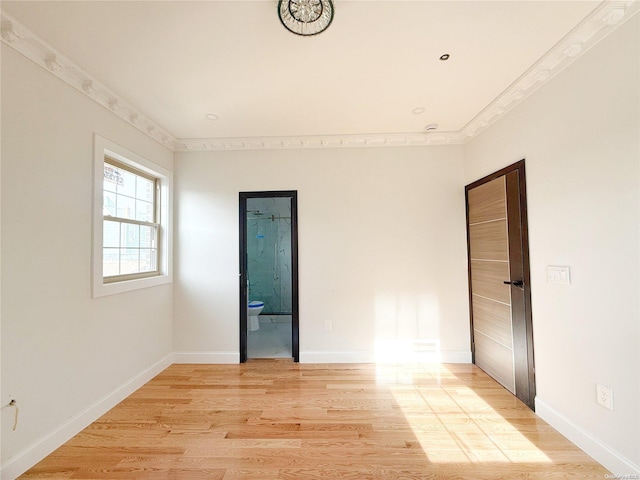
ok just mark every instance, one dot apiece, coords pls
pixel 176 61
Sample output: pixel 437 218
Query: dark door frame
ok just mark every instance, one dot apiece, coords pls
pixel 295 321
pixel 521 297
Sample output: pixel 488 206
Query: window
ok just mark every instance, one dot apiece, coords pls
pixel 131 246
pixel 130 226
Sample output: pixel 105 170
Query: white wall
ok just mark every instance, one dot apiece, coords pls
pixel 382 251
pixel 62 351
pixel 580 138
pixel 382 248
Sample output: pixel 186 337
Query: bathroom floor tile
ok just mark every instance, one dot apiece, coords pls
pixel 273 340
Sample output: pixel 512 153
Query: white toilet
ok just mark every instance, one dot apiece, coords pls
pixel 254 308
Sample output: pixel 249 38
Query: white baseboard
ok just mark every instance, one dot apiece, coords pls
pixel 337 357
pixel 599 451
pixel 372 357
pixel 206 357
pixel 24 460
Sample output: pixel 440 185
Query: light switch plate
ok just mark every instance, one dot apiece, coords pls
pixel 558 274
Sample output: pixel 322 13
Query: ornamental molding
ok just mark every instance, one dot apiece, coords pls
pixel 26 42
pixel 318 141
pixel 608 16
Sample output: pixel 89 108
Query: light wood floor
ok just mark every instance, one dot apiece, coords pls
pixel 279 420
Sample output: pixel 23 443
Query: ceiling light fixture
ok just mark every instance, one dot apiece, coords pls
pixel 431 127
pixel 305 17
pixel 418 110
pixel 211 116
pixel 444 57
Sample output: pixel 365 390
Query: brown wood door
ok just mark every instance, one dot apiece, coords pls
pixel 499 292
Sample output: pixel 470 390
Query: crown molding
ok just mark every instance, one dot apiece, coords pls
pixel 26 42
pixel 606 17
pixel 318 141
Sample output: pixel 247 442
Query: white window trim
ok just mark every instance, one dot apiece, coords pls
pixel 102 147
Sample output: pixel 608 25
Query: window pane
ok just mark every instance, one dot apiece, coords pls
pixel 144 190
pixel 111 234
pixel 112 177
pixel 126 207
pixel 128 186
pixel 128 261
pixel 148 260
pixel 144 211
pixel 147 236
pixel 130 235
pixel 109 204
pixel 110 262
pixel 109 186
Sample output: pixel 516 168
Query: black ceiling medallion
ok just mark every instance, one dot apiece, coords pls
pixel 305 17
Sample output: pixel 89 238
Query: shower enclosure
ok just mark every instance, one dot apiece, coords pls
pixel 269 273
pixel 269 253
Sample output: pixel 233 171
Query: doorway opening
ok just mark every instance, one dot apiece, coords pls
pixel 499 283
pixel 269 324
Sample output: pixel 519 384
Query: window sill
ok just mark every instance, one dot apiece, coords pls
pixel 103 289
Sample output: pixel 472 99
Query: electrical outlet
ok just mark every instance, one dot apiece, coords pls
pixel 604 396
pixel 328 325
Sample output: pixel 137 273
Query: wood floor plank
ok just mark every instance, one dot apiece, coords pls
pixel 277 420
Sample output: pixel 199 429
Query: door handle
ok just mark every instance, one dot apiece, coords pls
pixel 515 283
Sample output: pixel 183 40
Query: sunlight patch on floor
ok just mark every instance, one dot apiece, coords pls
pixel 455 424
